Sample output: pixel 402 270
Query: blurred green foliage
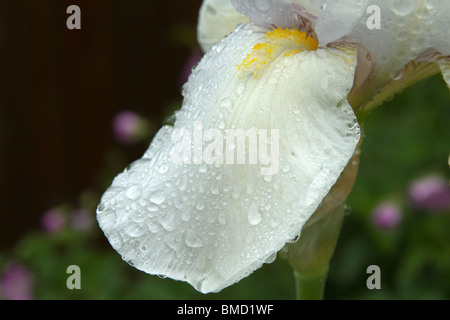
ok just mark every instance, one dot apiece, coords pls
pixel 405 138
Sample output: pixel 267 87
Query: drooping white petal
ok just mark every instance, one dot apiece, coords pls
pixel 408 28
pixel 213 223
pixel 217 18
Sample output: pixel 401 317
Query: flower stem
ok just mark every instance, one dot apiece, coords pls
pixel 311 255
pixel 309 289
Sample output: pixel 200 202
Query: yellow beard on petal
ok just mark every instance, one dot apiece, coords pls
pixel 277 41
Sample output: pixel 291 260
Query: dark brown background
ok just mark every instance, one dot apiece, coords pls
pixel 60 89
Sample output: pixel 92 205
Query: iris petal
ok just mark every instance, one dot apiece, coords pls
pixel 211 224
pixel 217 19
pixel 408 29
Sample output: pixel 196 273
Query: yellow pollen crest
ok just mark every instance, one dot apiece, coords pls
pixel 277 41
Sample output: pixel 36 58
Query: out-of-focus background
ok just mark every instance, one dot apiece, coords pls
pixel 77 106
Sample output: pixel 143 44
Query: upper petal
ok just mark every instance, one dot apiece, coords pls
pixel 408 28
pixel 211 223
pixel 267 13
pixel 217 18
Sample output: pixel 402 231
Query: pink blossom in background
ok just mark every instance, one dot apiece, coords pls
pixel 430 193
pixel 126 126
pixel 52 221
pixel 386 216
pixel 81 220
pixel 16 282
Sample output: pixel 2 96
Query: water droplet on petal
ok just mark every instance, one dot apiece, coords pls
pixel 200 205
pixel 203 168
pixel 182 183
pixel 193 240
pixel 403 7
pixel 164 168
pixel 116 241
pixel 264 5
pixel 133 192
pixel 101 208
pixel 186 215
pixel 226 103
pixel 254 216
pixel 134 230
pixel 271 258
pixel 222 218
pixel 158 197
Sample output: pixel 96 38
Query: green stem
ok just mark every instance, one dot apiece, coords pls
pixel 309 289
pixel 311 255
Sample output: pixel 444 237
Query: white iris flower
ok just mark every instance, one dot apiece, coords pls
pixel 282 80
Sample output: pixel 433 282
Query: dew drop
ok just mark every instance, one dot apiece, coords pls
pixel 101 208
pixel 182 183
pixel 263 5
pixel 200 205
pixel 271 258
pixel 403 7
pixel 219 47
pixel 222 218
pixel 186 215
pixel 133 192
pixel 134 230
pixel 178 203
pixel 287 168
pixel 402 36
pixel 193 240
pixel 215 189
pixel 116 241
pixel 254 216
pixel 203 168
pixel 226 103
pixel 429 4
pixel 164 168
pixel 417 44
pixel 249 32
pixel 158 197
